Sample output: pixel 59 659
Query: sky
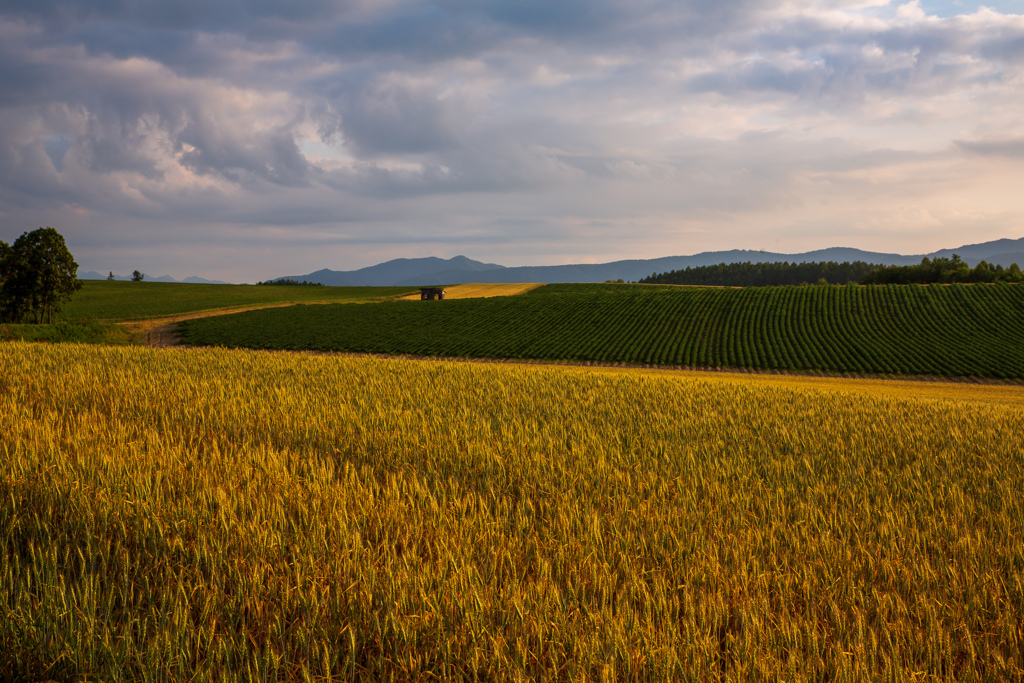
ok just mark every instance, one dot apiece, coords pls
pixel 247 140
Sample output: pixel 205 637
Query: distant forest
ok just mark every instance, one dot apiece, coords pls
pixel 943 270
pixel 747 274
pixel 286 282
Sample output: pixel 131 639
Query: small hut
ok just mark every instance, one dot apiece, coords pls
pixel 431 293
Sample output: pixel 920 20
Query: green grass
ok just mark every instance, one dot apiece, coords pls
pixel 957 330
pixel 140 300
pixel 78 332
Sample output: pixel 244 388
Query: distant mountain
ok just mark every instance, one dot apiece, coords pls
pixel 93 275
pixel 202 281
pixel 400 272
pixel 459 270
pixel 1006 259
pixel 987 251
pixel 635 269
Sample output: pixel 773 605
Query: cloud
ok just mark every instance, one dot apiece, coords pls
pixel 397 116
pixel 1012 148
pixel 206 146
pixel 530 127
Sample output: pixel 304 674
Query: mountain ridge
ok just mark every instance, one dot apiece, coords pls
pixel 390 272
pixel 93 275
pixel 461 269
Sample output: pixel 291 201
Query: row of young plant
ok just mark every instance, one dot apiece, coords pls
pixel 966 330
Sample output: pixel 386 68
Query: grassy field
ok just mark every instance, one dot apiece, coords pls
pixel 207 514
pixel 78 332
pixel 958 330
pixel 139 300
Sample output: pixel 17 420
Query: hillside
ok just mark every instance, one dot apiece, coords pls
pixel 955 330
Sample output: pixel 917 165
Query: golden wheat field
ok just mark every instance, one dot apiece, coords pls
pixel 176 514
pixel 481 290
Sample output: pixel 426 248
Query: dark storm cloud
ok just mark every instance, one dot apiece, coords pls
pixel 641 24
pixel 444 30
pixel 419 32
pixel 412 30
pixel 396 118
pixel 181 14
pixel 272 156
pixel 162 44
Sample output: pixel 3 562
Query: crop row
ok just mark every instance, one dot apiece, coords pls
pixel 955 330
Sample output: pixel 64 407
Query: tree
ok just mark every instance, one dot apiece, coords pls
pixel 37 274
pixel 110 276
pixel 137 276
pixel 12 303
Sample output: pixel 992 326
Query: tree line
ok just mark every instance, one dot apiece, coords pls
pixel 37 274
pixel 748 274
pixel 943 270
pixel 288 282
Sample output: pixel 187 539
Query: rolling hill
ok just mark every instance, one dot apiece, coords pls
pixel 955 330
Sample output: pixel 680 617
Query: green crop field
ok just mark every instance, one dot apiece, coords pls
pixel 139 300
pixel 955 330
pixel 228 515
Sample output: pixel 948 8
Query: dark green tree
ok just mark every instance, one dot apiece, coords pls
pixel 764 274
pixel 137 276
pixel 37 275
pixel 942 270
pixel 110 276
pixel 12 304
